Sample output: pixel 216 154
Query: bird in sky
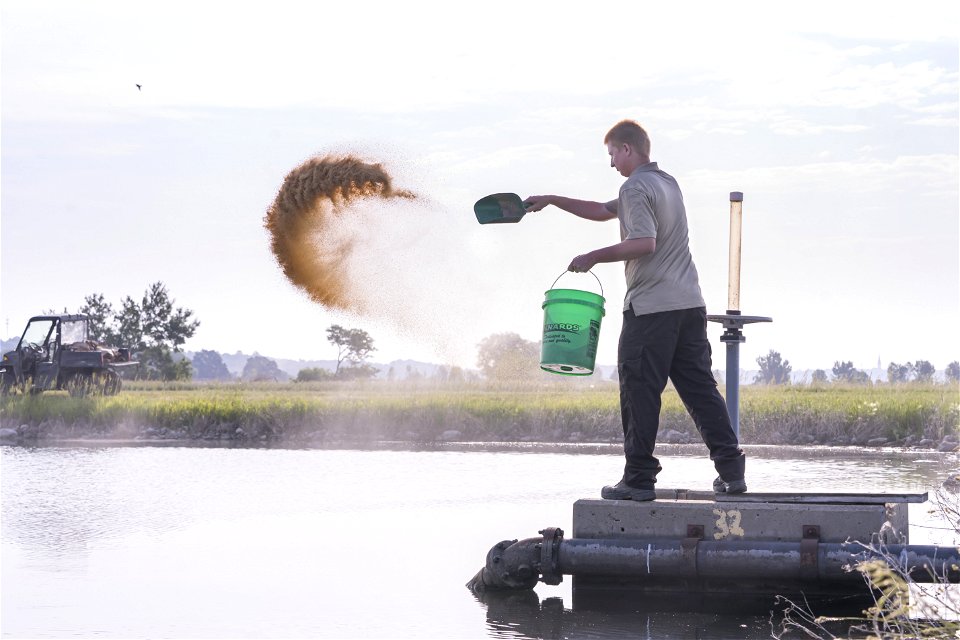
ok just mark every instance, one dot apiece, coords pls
pixel 138 88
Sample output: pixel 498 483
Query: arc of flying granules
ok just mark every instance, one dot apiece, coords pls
pixel 302 222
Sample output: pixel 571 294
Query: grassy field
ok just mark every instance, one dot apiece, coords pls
pixel 568 410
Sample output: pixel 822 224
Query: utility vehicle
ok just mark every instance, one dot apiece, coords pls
pixel 55 352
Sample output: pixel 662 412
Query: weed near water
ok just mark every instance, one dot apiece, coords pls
pixel 550 412
pixel 848 414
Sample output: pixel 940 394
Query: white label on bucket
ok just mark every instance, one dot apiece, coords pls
pixel 569 328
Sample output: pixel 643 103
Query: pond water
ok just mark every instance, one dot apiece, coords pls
pixel 186 542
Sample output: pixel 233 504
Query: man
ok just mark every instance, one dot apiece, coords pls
pixel 664 332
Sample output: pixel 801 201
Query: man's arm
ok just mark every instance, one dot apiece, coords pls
pixel 586 209
pixel 622 251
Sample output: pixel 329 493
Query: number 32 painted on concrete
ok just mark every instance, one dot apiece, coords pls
pixel 728 524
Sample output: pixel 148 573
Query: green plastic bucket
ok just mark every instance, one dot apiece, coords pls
pixel 571 330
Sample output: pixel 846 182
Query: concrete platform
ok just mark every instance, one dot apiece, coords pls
pixel 695 546
pixel 747 519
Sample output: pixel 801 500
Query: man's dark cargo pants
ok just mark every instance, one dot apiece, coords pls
pixel 674 345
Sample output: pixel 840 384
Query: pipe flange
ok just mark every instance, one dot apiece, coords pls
pixel 549 555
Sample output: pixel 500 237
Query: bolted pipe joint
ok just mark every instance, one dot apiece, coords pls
pixel 518 564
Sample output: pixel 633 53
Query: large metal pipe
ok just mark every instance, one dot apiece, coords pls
pixel 748 559
pixel 521 564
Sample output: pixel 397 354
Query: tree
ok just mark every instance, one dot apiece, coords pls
pixel 953 371
pixel 159 363
pixel 845 372
pixel 129 328
pixel 357 372
pixel 100 319
pixel 897 373
pixel 773 370
pixel 819 376
pixel 507 356
pixel 152 329
pixel 161 323
pixel 259 368
pixel 923 371
pixel 209 365
pixel 353 346
pixel 313 374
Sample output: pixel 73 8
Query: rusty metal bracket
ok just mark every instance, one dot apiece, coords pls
pixel 809 552
pixel 688 548
pixel 694 535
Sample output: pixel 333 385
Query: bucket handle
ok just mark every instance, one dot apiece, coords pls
pixel 590 272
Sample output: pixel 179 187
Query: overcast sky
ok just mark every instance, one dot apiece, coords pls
pixel 838 121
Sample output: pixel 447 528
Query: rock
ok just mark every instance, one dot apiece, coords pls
pixel 8 435
pixel 946 445
pixel 951 437
pixel 672 436
pixel 926 443
pixel 952 483
pixel 29 431
pixel 877 442
pixel 450 434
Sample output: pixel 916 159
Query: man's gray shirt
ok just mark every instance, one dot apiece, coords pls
pixel 651 206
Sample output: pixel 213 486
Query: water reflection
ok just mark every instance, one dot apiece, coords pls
pixel 523 615
pixel 614 614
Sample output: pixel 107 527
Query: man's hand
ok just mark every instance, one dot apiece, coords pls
pixel 630 249
pixel 586 209
pixel 582 264
pixel 536 203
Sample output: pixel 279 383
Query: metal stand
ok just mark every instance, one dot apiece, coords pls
pixel 733 321
pixel 733 335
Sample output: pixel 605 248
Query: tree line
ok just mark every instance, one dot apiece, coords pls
pixel 507 356
pixel 155 330
pixel 775 370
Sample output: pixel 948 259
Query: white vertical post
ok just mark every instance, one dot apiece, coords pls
pixel 736 225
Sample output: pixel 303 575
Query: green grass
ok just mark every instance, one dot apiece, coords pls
pixel 569 409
